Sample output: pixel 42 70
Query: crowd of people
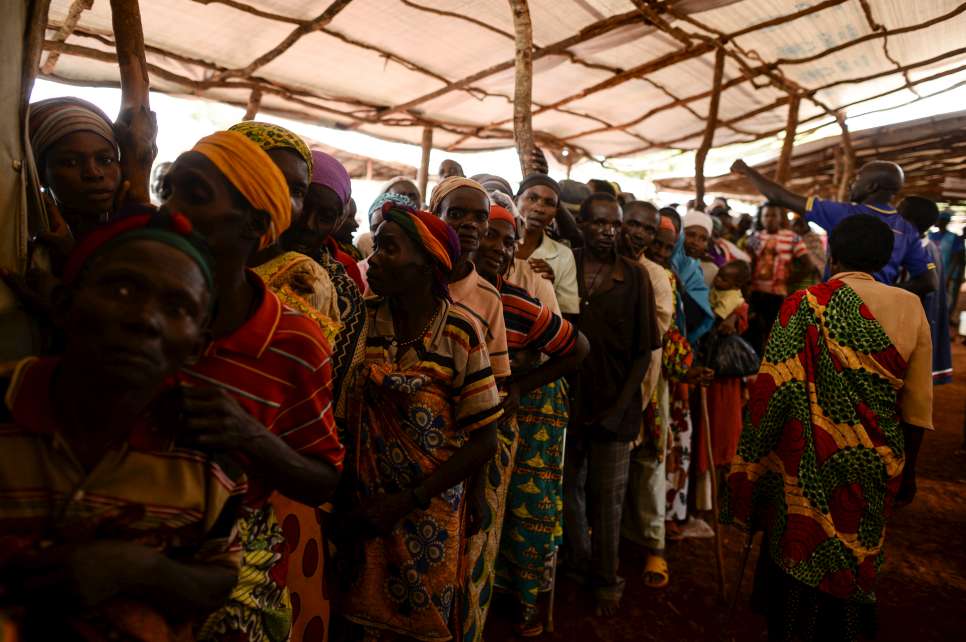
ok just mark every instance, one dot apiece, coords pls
pixel 232 422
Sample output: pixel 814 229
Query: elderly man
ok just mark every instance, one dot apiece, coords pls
pixel 114 521
pixel 873 191
pixel 617 317
pixel 645 506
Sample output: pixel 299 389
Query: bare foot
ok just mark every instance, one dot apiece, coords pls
pixel 607 607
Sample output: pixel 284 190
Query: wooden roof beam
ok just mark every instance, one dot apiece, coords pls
pixel 560 47
pixel 781 101
pixel 762 69
pixel 322 20
pixel 77 7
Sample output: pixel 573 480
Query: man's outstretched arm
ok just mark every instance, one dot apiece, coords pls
pixel 774 192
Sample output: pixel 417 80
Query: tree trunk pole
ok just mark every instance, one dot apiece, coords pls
pixel 254 104
pixel 782 173
pixel 712 124
pixel 523 84
pixel 422 178
pixel 137 152
pixel 848 158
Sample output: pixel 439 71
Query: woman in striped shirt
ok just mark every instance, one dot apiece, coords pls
pixel 422 406
pixel 543 348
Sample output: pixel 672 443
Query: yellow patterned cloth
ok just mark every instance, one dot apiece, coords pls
pixel 822 451
pixel 305 286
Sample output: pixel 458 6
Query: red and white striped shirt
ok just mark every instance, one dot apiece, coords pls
pixel 277 365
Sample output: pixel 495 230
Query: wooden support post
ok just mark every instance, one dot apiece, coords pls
pixel 785 160
pixel 848 157
pixel 254 104
pixel 422 178
pixel 711 124
pixel 368 169
pixel 523 84
pixel 138 145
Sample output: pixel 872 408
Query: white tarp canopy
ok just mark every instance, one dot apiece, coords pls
pixel 611 77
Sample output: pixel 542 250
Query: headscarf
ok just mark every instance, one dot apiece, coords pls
pixel 667 224
pixel 269 137
pixel 329 172
pixel 252 172
pixel 498 213
pixel 494 183
pixel 450 185
pixel 538 179
pixel 52 119
pixel 434 236
pixel 397 179
pixel 382 199
pixel 699 317
pixel 174 230
pixel 695 218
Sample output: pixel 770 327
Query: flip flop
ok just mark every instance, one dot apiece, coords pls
pixel 656 565
pixel 529 629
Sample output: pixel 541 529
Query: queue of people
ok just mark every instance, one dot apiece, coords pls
pixel 236 424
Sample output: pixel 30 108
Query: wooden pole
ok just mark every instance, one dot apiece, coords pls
pixel 718 551
pixel 254 104
pixel 422 178
pixel 135 116
pixel 848 158
pixel 523 84
pixel 711 125
pixel 785 160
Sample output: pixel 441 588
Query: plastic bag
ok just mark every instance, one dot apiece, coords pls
pixel 732 356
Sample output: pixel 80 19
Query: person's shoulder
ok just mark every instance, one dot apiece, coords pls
pixel 297 334
pixel 460 325
pixel 486 286
pixel 507 288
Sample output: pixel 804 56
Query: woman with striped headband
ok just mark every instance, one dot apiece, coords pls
pixel 262 391
pixel 88 164
pixel 421 421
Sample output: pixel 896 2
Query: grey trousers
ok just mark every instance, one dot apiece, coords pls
pixel 595 482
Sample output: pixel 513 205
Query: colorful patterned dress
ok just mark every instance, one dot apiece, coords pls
pixel 532 521
pixel 677 359
pixel 408 412
pixel 821 455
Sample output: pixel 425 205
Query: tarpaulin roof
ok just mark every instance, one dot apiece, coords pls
pixel 931 152
pixel 610 77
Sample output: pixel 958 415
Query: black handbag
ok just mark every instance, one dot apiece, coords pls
pixel 732 356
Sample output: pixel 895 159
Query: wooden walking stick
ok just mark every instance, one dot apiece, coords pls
pixel 719 554
pixel 745 554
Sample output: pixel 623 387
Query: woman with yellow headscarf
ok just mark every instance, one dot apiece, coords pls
pixel 262 391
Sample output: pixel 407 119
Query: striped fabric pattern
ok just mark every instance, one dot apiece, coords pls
pixel 480 301
pixel 148 490
pixel 530 324
pixel 279 369
pixel 453 355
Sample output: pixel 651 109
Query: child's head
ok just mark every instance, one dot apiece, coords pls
pixel 733 275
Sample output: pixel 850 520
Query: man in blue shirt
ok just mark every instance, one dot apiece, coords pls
pixel 872 192
pixel 951 248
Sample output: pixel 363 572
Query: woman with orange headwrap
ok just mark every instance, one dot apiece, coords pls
pixel 421 417
pixel 262 391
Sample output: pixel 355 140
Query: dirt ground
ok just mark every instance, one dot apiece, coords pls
pixel 922 591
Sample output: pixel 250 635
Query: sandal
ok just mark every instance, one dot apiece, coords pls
pixel 530 626
pixel 656 566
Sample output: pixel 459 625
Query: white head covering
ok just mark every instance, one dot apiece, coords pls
pixel 696 218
